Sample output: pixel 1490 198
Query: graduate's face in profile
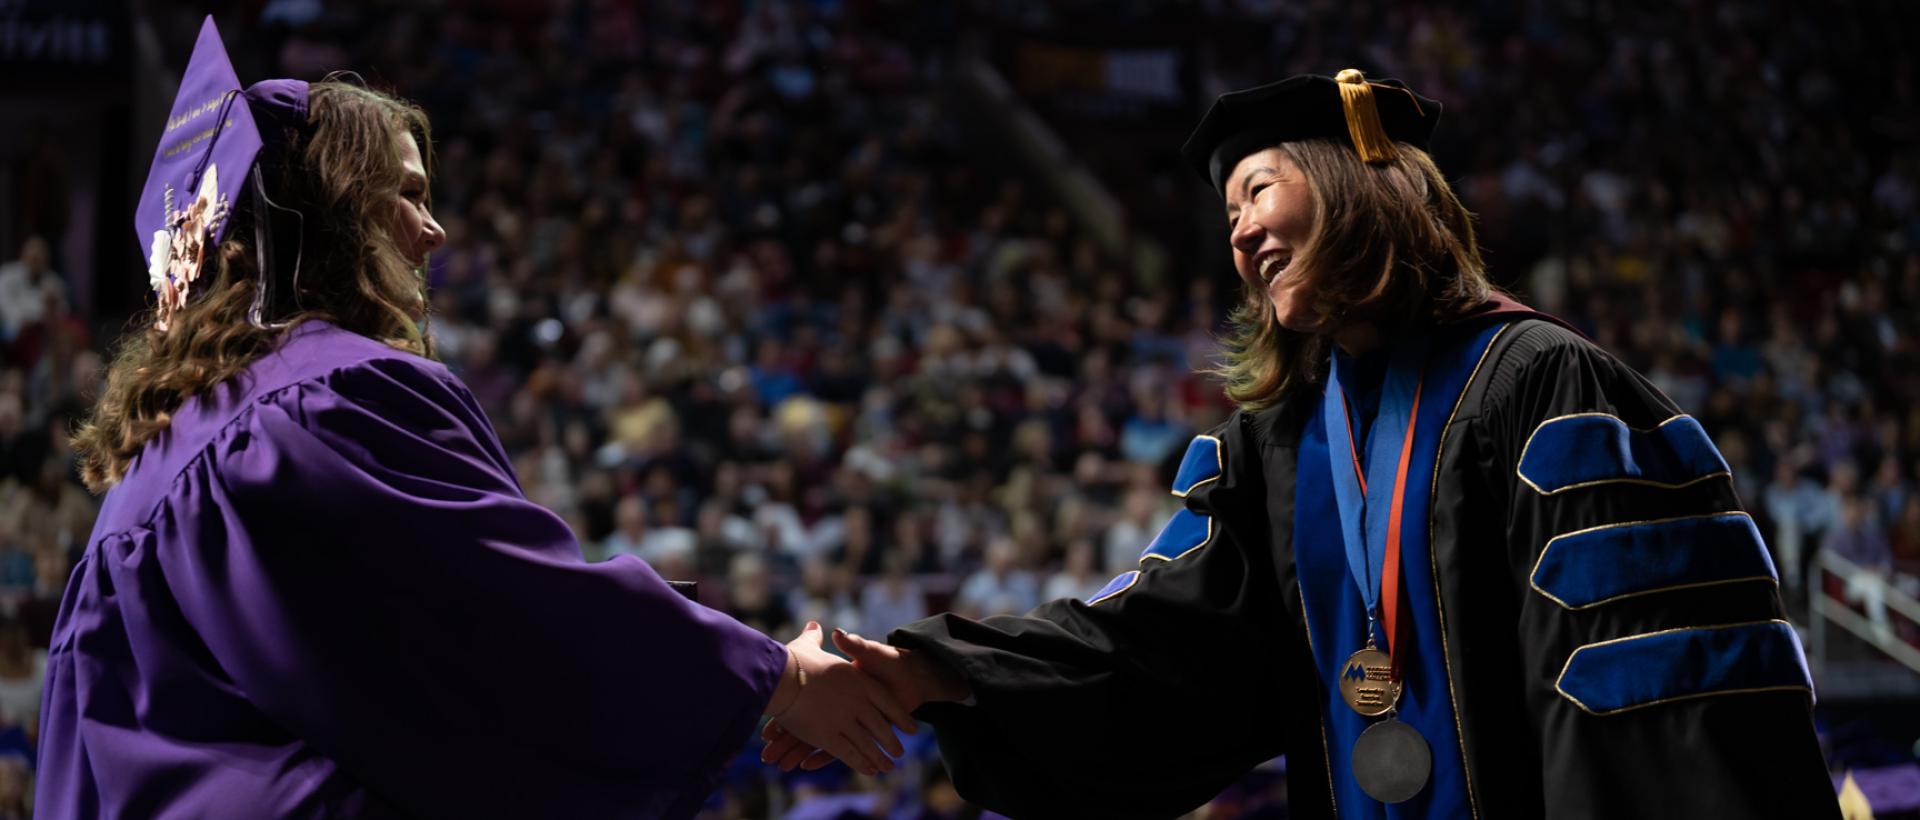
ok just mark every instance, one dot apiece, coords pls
pixel 1270 219
pixel 413 228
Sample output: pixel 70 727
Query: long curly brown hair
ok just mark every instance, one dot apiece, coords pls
pixel 341 170
pixel 1391 245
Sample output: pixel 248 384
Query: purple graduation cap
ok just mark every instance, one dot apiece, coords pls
pixel 204 163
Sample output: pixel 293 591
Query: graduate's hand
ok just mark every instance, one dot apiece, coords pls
pixel 912 677
pixel 826 703
pixel 787 752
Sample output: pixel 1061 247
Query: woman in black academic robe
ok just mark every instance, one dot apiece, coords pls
pixel 1570 614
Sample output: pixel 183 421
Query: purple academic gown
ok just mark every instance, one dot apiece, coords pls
pixel 324 594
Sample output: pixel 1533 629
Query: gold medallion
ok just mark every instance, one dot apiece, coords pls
pixel 1367 683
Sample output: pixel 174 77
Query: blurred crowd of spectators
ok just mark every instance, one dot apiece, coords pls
pixel 746 299
pixel 48 366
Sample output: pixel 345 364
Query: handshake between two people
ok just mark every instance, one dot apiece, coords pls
pixel 827 707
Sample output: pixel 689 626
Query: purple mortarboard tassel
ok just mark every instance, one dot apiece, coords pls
pixel 202 165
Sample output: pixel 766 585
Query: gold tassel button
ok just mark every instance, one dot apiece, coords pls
pixel 1363 117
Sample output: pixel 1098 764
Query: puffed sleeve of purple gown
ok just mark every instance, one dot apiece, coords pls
pixel 367 570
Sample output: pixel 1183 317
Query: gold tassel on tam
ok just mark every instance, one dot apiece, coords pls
pixel 1363 117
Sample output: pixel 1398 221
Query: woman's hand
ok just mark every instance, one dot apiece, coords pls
pixel 823 701
pixel 912 679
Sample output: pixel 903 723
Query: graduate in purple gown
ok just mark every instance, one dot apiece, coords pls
pixel 315 587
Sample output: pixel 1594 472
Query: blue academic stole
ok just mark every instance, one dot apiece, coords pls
pixel 1336 612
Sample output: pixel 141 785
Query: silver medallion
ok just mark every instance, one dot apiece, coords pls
pixel 1391 761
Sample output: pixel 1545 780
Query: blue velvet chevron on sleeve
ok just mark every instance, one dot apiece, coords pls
pixel 1187 530
pixel 1585 449
pixel 1593 566
pixel 1203 463
pixel 1119 584
pixel 1676 664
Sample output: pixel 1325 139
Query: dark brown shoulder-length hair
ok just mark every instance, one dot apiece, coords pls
pixel 1390 245
pixel 340 171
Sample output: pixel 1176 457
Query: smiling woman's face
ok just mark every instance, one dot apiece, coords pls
pixel 1270 219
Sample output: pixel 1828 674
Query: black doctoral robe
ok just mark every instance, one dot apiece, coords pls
pixel 1597 626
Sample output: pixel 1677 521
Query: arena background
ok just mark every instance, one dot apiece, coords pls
pixel 858 310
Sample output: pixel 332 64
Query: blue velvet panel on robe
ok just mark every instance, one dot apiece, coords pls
pixel 1580 450
pixel 1336 614
pixel 1646 670
pixel 1593 566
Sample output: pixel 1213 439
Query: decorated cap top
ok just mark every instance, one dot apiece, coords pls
pixel 1371 114
pixel 200 169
